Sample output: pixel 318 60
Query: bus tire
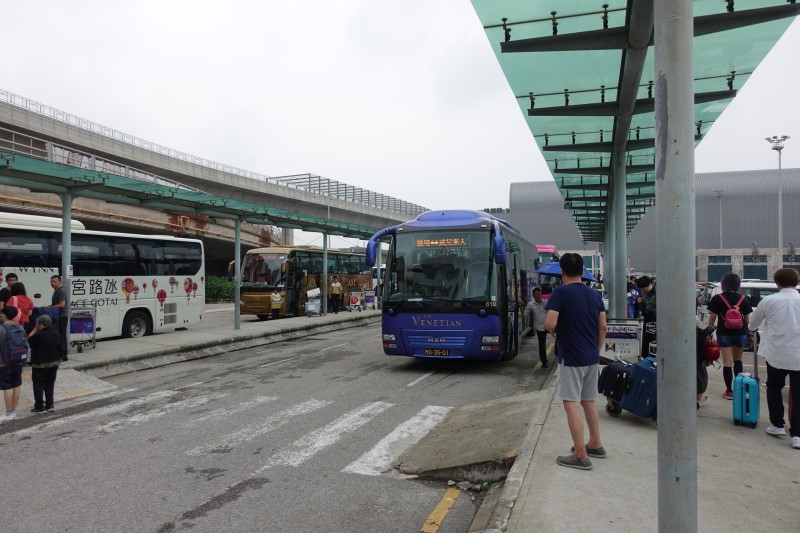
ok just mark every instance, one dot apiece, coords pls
pixel 136 324
pixel 262 317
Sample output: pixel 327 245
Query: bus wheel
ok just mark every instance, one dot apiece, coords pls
pixel 262 317
pixel 136 324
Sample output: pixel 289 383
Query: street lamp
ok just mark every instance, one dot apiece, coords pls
pixel 719 195
pixel 777 145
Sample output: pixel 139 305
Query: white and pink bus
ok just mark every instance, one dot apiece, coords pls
pixel 138 284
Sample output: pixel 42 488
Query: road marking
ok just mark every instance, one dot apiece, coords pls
pixel 439 513
pixel 108 410
pixel 527 382
pixel 380 458
pixel 306 447
pixel 420 379
pixel 196 384
pixel 158 412
pixel 276 362
pixel 273 422
pixel 226 412
pixel 332 347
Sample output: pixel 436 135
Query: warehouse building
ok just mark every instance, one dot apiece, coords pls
pixel 736 230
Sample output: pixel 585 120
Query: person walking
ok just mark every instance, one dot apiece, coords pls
pixel 10 373
pixel 577 318
pixel 19 299
pixel 780 345
pixel 539 312
pixel 731 339
pixel 59 302
pixel 336 294
pixel 45 343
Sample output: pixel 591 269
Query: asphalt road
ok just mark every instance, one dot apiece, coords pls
pixel 291 437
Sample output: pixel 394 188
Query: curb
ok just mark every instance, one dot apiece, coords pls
pixel 500 507
pixel 224 344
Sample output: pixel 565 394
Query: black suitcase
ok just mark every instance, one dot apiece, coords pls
pixel 615 380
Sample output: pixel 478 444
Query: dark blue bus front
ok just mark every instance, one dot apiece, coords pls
pixel 445 291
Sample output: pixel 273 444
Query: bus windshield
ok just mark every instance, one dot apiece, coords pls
pixel 264 268
pixel 441 268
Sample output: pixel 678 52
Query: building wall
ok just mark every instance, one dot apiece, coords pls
pixel 748 204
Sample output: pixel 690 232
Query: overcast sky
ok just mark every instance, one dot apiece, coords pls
pixel 403 97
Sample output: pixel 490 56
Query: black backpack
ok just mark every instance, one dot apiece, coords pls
pixel 15 346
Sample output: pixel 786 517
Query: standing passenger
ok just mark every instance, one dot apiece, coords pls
pixel 5 292
pixel 539 311
pixel 336 294
pixel 10 374
pixel 576 316
pixel 276 301
pixel 60 302
pixel 731 340
pixel 19 299
pixel 45 356
pixel 780 344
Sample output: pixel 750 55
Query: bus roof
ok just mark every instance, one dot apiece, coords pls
pixel 455 217
pixel 35 221
pixel 287 249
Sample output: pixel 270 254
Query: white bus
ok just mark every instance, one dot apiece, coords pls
pixel 138 284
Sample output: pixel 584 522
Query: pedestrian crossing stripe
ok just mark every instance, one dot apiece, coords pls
pixel 306 447
pixel 379 459
pixel 255 430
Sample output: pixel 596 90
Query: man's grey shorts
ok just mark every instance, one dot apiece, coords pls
pixel 576 383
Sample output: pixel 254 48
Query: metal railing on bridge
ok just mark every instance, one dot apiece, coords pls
pixel 306 182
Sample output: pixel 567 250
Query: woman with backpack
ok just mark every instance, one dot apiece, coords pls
pixel 19 299
pixel 729 311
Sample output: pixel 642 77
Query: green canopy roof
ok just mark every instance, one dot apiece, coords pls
pixel 574 70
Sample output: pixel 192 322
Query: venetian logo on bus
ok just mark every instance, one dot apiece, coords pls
pixel 436 322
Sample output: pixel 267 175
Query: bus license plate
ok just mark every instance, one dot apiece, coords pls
pixel 436 351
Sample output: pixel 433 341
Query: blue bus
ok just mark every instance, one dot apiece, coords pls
pixel 455 287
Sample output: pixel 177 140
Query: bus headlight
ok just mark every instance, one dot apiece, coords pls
pixel 389 337
pixel 491 339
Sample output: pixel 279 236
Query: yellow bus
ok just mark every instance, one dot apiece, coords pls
pixel 295 270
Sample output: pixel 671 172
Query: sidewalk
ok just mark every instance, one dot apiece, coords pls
pixel 80 376
pixel 746 481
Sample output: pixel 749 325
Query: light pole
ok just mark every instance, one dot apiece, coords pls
pixel 719 195
pixel 777 145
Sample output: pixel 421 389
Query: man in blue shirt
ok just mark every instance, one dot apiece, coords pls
pixel 577 318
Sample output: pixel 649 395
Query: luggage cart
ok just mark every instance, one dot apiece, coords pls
pixel 354 301
pixel 370 300
pixel 82 323
pixel 313 307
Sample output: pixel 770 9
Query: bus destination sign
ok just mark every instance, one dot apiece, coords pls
pixel 443 242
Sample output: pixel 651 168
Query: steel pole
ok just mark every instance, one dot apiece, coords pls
pixel 237 268
pixel 66 256
pixel 618 303
pixel 675 209
pixel 324 281
pixel 609 252
pixel 780 206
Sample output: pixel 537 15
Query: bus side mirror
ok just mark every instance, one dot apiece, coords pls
pixel 372 248
pixel 499 250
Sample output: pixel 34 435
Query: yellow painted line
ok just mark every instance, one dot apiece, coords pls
pixel 437 516
pixel 76 393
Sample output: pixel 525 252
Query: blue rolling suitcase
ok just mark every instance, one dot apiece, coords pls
pixel 747 394
pixel 641 399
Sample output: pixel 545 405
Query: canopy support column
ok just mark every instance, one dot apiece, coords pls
pixel 66 258
pixel 237 268
pixel 617 300
pixel 675 204
pixel 324 282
